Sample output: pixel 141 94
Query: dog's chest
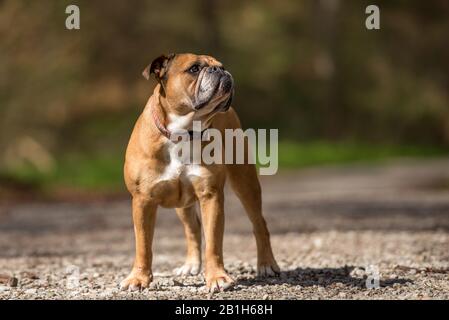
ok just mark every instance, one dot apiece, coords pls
pixel 180 164
pixel 174 184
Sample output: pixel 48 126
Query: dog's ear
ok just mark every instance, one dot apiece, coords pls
pixel 158 67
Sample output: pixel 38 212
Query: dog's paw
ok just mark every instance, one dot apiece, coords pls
pixel 137 280
pixel 188 269
pixel 219 281
pixel 268 269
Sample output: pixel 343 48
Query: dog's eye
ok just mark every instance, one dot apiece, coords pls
pixel 195 68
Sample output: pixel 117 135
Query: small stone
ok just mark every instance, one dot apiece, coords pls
pixel 169 283
pixel 359 272
pixel 153 285
pixel 107 292
pixel 29 275
pixel 30 291
pixel 4 288
pixel 13 281
pixel 177 283
pixel 7 280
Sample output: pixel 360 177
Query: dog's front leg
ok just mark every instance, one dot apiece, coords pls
pixel 212 213
pixel 144 218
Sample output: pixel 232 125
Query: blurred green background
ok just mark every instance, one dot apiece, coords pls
pixel 338 93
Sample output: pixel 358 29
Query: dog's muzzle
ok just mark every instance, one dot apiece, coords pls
pixel 214 82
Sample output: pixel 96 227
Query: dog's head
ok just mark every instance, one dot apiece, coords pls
pixel 193 82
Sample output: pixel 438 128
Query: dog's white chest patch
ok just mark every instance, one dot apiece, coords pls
pixel 179 165
pixel 178 122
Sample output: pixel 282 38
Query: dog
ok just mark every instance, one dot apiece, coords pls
pixel 190 88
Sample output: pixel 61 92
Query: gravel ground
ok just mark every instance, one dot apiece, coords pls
pixel 331 230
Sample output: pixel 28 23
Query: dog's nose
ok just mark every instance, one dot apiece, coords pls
pixel 213 69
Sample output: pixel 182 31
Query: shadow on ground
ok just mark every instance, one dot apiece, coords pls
pixel 323 277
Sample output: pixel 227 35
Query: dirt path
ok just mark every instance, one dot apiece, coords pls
pixel 329 227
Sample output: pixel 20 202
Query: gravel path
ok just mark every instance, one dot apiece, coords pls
pixel 331 230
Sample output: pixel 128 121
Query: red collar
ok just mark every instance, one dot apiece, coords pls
pixel 161 127
pixel 167 133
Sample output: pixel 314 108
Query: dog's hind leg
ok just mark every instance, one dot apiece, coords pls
pixel 192 229
pixel 245 183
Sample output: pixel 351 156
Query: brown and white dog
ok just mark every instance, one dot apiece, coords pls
pixel 190 88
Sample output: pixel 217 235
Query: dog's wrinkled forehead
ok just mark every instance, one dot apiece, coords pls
pixel 166 65
pixel 183 62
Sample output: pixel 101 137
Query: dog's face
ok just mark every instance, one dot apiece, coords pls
pixel 193 82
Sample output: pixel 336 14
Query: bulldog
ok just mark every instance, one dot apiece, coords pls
pixel 190 88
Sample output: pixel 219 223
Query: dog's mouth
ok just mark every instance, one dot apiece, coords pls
pixel 226 83
pixel 226 104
